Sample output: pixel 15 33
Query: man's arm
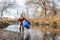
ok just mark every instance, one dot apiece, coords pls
pixel 25 19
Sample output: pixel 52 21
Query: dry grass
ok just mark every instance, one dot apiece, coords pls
pixel 48 20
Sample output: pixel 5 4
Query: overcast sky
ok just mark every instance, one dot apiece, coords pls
pixel 58 3
pixel 21 2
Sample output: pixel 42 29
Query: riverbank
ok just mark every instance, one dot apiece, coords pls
pixel 9 35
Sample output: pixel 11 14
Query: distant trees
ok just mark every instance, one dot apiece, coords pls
pixel 40 7
pixel 4 4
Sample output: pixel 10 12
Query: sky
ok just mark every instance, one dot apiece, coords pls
pixel 58 3
pixel 20 2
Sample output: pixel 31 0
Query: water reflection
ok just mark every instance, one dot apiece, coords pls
pixel 13 28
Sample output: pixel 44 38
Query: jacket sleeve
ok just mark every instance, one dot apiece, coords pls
pixel 19 20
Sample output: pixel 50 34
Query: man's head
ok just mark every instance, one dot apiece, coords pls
pixel 21 15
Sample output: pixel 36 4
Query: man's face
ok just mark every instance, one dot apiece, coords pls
pixel 21 17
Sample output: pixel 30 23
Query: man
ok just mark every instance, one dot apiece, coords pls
pixel 20 20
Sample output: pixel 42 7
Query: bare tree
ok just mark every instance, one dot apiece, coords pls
pixel 4 4
pixel 44 4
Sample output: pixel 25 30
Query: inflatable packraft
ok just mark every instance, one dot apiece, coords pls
pixel 26 24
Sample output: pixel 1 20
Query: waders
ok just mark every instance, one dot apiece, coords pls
pixel 22 32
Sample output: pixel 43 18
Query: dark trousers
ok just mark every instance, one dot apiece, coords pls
pixel 22 31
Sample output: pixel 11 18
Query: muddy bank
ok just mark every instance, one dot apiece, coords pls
pixel 9 35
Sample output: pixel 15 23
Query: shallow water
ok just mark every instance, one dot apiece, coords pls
pixel 13 28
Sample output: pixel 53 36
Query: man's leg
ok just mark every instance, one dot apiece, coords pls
pixel 22 32
pixel 20 29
